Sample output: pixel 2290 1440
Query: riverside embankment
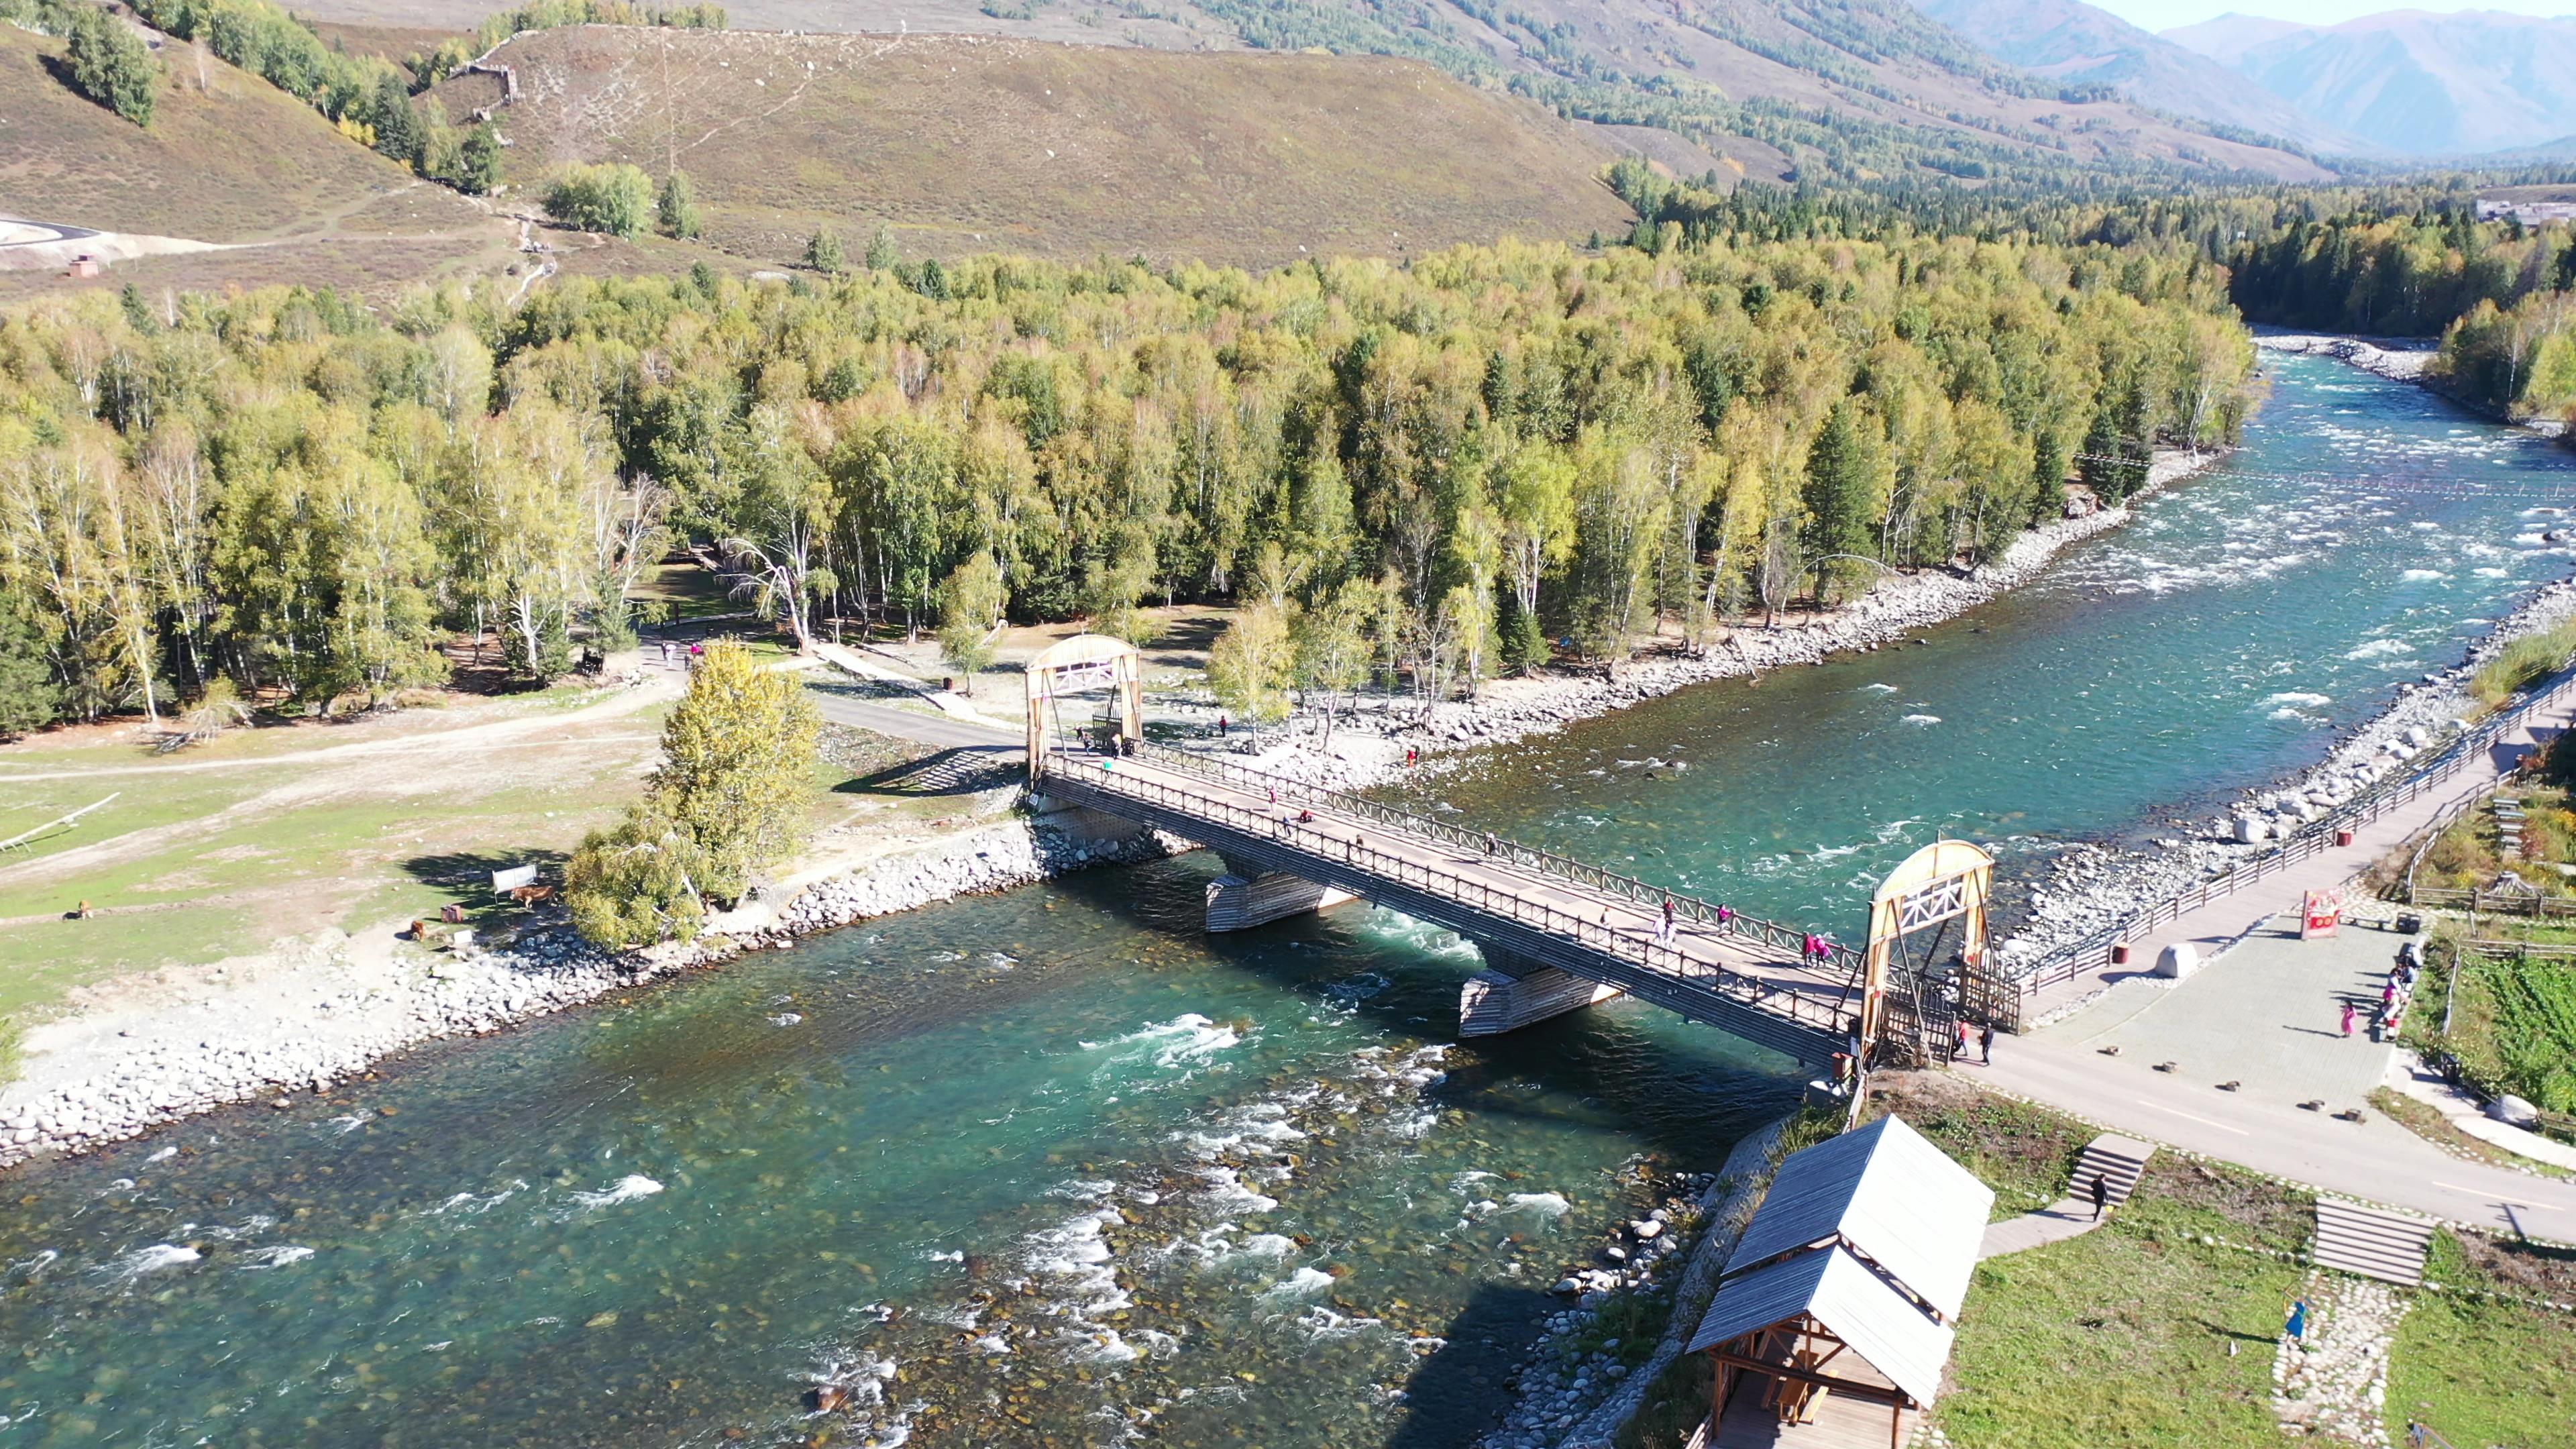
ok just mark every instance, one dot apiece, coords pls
pixel 318 1011
pixel 1051 1164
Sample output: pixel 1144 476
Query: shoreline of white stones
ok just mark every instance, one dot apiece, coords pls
pixel 166 1069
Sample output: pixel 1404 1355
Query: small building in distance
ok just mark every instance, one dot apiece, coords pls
pixel 85 265
pixel 1833 1321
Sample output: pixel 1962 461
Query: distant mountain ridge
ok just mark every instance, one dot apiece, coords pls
pixel 2412 82
pixel 2076 43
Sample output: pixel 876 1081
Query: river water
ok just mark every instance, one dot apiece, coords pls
pixel 1055 1167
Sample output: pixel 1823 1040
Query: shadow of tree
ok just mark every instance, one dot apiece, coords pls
pixel 467 874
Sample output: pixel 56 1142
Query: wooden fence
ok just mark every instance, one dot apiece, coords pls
pixel 2094 951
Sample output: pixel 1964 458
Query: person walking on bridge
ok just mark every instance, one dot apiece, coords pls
pixel 1664 935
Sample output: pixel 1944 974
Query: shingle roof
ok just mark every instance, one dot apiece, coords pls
pixel 1857 1306
pixel 1890 1196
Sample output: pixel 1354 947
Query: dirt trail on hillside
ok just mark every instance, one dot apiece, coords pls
pixel 421 765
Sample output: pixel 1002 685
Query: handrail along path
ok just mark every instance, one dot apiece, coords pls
pixel 1749 977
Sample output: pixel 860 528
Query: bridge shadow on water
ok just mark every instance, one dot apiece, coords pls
pixel 1685 1092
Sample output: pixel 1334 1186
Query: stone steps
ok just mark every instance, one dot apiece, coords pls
pixel 2120 1162
pixel 2371 1242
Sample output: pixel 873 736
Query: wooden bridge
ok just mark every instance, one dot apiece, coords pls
pixel 1558 933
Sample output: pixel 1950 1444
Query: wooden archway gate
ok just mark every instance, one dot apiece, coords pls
pixel 1079 665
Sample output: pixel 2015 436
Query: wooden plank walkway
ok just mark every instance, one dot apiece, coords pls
pixel 2118 1160
pixel 1743 976
pixel 2372 1242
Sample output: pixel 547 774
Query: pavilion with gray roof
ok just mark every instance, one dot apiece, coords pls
pixel 1844 1292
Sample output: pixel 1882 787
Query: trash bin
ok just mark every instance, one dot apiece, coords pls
pixel 2119 953
pixel 2343 837
pixel 2410 924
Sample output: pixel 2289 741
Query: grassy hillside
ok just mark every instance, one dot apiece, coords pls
pixel 964 144
pixel 1853 90
pixel 236 161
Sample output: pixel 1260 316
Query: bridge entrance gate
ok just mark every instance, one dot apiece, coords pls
pixel 1083 665
pixel 1927 941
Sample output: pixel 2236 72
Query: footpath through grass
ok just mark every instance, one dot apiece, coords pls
pixel 2122 1336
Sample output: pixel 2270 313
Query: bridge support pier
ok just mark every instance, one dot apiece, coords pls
pixel 1243 898
pixel 1513 992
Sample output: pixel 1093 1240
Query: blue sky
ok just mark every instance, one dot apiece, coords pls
pixel 2166 14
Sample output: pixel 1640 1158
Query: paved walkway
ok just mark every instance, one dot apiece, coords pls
pixel 2119 1159
pixel 2215 926
pixel 2374 1160
pixel 2267 1016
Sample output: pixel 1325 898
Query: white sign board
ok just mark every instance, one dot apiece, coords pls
pixel 516 876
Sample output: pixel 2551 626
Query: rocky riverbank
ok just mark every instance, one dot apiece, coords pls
pixel 2090 886
pixel 319 1011
pixel 322 1011
pixel 2399 359
pixel 1369 749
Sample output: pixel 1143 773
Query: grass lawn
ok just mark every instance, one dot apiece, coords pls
pixel 264 834
pixel 2026 1154
pixel 2121 1336
pixel 2483 1372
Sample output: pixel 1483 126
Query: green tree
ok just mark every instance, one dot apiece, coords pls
pixel 1334 646
pixel 677 210
pixel 637 883
pixel 28 698
pixel 881 255
pixel 1253 663
pixel 823 252
pixel 738 766
pixel 398 128
pixel 111 65
pixel 479 162
pixel 1848 475
pixel 614 199
pixel 971 600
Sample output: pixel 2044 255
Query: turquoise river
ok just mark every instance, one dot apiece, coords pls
pixel 1055 1167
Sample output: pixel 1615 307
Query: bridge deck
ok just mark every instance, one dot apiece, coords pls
pixel 1743 977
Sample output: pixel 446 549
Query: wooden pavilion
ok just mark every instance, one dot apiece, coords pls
pixel 1833 1320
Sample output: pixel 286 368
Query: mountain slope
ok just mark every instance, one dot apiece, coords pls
pixel 2067 40
pixel 2411 82
pixel 967 144
pixel 234 160
pixel 1847 89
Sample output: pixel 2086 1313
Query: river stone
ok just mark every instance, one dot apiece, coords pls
pixel 2513 1111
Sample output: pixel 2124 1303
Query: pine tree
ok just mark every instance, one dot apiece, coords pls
pixel 823 253
pixel 28 697
pixel 398 130
pixel 881 255
pixel 479 170
pixel 111 65
pixel 677 210
pixel 1848 471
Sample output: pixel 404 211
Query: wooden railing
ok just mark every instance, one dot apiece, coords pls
pixel 1546 863
pixel 2496 903
pixel 2527 950
pixel 1638 948
pixel 2094 951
